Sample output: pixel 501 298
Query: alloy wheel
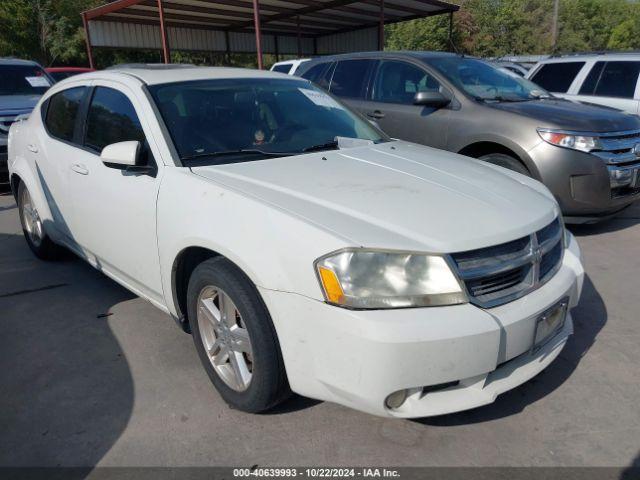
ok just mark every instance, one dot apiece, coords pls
pixel 31 219
pixel 225 338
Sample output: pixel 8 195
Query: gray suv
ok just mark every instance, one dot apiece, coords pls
pixel 588 156
pixel 22 83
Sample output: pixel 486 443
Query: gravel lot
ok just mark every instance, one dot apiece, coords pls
pixel 78 388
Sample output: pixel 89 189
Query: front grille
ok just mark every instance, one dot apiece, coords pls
pixel 620 192
pixel 618 147
pixel 499 274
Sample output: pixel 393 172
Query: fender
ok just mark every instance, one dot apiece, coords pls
pixel 522 154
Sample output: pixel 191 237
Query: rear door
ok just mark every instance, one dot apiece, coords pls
pixel 350 82
pixel 52 150
pixel 114 214
pixel 394 87
pixel 613 84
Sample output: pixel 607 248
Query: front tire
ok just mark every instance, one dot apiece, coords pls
pixel 39 242
pixel 235 338
pixel 506 161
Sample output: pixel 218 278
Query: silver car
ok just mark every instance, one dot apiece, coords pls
pixel 587 155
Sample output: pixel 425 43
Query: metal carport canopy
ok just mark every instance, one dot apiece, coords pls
pixel 290 27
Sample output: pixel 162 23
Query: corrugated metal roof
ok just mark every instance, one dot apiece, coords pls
pixel 333 26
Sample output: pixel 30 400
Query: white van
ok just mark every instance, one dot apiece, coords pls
pixel 610 79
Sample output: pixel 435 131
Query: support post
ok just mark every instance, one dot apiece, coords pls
pixel 166 54
pixel 85 22
pixel 298 36
pixel 451 42
pixel 554 24
pixel 276 47
pixel 227 47
pixel 381 27
pixel 256 24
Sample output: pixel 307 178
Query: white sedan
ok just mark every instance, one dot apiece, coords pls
pixel 304 249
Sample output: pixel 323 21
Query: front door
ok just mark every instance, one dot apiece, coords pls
pixel 114 214
pixel 394 87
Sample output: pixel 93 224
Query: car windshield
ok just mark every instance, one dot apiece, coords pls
pixel 23 80
pixel 241 118
pixel 486 82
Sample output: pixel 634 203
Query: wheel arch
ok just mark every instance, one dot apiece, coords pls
pixel 184 263
pixel 183 266
pixel 485 147
pixel 14 183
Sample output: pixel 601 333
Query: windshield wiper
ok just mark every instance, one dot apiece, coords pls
pixel 500 98
pixel 323 146
pixel 241 151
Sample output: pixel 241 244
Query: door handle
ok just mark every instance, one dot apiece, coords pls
pixel 32 148
pixel 81 169
pixel 377 114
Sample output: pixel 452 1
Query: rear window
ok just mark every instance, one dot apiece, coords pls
pixel 612 79
pixel 557 77
pixel 62 112
pixel 281 68
pixel 350 78
pixel 23 80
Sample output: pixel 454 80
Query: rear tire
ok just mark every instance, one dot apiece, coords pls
pixel 506 161
pixel 39 242
pixel 235 337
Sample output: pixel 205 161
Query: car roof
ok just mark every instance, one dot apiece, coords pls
pixel 17 61
pixel 421 55
pixel 154 74
pixel 580 57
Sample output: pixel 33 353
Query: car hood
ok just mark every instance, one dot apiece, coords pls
pixel 572 115
pixel 17 104
pixel 396 195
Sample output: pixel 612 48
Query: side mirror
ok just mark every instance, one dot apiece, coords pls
pixel 431 99
pixel 121 154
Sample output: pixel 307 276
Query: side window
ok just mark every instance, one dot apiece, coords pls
pixel 350 78
pixel 557 77
pixel 398 82
pixel 315 72
pixel 111 119
pixel 62 111
pixel 591 82
pixel 284 68
pixel 324 80
pixel 618 79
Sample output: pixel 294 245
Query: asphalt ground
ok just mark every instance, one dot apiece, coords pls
pixel 92 375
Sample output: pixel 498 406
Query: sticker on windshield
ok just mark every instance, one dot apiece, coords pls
pixel 321 99
pixel 38 81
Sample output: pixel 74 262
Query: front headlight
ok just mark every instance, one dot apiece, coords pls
pixel 574 141
pixel 374 279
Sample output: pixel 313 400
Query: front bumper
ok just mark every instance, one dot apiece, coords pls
pixel 581 183
pixel 358 358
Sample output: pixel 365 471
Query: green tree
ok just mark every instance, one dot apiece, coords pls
pixel 49 31
pixel 626 35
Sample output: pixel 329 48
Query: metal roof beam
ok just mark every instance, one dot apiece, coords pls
pixel 110 8
pixel 318 6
